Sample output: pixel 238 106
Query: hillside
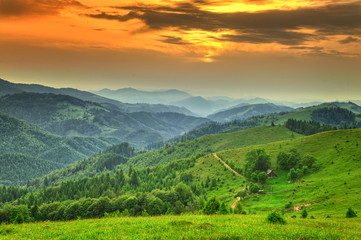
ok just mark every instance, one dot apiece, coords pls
pixel 26 151
pixel 12 88
pixel 243 112
pixel 68 116
pixel 332 115
pixel 349 106
pixel 185 185
pixel 206 144
pixel 328 191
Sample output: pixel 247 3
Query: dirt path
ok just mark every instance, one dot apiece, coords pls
pixel 236 173
pixel 227 166
pixel 235 202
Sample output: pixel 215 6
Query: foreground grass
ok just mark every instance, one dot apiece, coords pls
pixel 186 227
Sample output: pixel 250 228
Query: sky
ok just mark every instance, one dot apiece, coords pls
pixel 285 50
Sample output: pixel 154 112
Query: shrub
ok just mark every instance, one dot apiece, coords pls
pixel 239 208
pixel 212 206
pixel 275 218
pixel 223 209
pixel 304 213
pixel 350 213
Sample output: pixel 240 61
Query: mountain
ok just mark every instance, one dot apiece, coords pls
pixel 196 104
pixel 27 151
pixel 206 144
pixel 68 116
pixel 11 88
pixel 349 106
pixel 243 112
pixel 326 113
pixel 131 95
pixel 173 97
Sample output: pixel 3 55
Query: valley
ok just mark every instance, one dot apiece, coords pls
pixel 64 158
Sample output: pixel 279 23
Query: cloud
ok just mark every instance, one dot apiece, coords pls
pixel 173 40
pixel 349 39
pixel 37 7
pixel 280 26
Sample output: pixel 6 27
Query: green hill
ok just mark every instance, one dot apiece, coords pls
pixel 205 144
pixel 27 151
pixel 69 116
pixel 326 192
pixel 336 115
pixel 330 190
pixel 212 143
pixel 247 111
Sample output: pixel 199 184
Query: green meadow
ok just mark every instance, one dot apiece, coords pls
pixel 186 227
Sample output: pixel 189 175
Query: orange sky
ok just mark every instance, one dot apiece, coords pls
pixel 164 44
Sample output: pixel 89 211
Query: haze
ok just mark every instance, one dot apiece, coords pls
pixel 274 49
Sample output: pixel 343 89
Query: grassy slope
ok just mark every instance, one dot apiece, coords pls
pixel 213 143
pixel 186 227
pixel 209 144
pixel 331 190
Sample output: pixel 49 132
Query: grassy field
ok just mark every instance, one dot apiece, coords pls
pixel 186 227
pixel 213 143
pixel 330 191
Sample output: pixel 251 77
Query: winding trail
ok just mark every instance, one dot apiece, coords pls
pixel 227 166
pixel 235 202
pixel 233 205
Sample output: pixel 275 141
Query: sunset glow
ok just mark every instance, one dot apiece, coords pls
pixel 185 31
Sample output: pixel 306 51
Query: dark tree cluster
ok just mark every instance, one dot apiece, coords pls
pixel 307 127
pixel 298 166
pixel 257 160
pixel 334 116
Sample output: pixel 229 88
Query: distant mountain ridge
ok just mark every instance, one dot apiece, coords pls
pixel 244 112
pixel 132 95
pixel 7 87
pixel 197 104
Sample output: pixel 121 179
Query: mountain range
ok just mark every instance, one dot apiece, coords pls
pixel 68 116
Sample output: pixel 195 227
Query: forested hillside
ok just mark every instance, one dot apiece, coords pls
pixel 69 116
pixel 185 185
pixel 27 151
pixel 207 144
pixel 324 114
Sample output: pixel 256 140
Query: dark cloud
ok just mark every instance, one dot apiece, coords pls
pixel 272 36
pixel 308 48
pixel 28 7
pixel 173 40
pixel 349 39
pixel 257 27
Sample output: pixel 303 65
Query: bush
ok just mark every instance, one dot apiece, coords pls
pixel 350 213
pixel 212 206
pixel 304 213
pixel 239 208
pixel 275 218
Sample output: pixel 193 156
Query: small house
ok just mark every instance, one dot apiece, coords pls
pixel 271 174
